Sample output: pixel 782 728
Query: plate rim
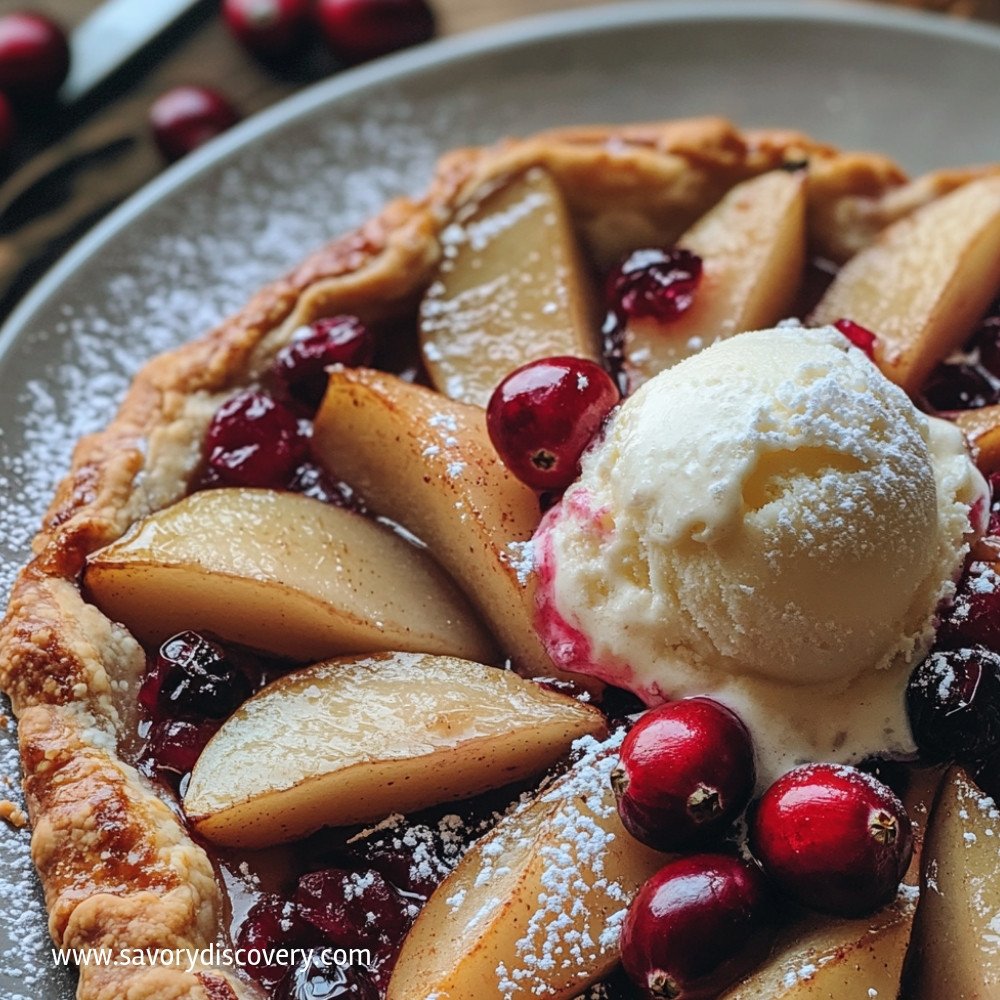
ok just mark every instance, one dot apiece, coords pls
pixel 535 29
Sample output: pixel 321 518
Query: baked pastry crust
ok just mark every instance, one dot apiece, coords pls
pixel 116 863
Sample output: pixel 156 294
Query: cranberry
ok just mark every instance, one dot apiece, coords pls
pixel 253 440
pixel 269 28
pixel 357 910
pixel 958 387
pixel 656 283
pixel 301 365
pixel 686 773
pixel 357 30
pixel 273 923
pixel 953 700
pixel 974 618
pixel 176 744
pixel 193 677
pixel 699 924
pixel 34 56
pixel 833 838
pixel 185 118
pixel 543 415
pixel 315 980
pixel 860 336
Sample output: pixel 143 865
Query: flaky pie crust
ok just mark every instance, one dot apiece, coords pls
pixel 116 862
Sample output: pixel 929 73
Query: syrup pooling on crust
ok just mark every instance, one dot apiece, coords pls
pixel 652 182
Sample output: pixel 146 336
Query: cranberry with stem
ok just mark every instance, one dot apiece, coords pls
pixel 255 440
pixel 301 365
pixel 357 30
pixel 698 925
pixel 953 701
pixel 833 839
pixel 34 56
pixel 686 773
pixel 654 283
pixel 543 416
pixel 270 29
pixel 187 117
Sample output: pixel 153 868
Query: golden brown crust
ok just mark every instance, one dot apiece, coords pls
pixel 117 865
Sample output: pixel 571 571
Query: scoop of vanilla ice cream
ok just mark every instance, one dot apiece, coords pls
pixel 771 523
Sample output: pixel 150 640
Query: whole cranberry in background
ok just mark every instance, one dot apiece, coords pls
pixel 357 30
pixel 185 118
pixel 254 440
pixel 301 364
pixel 176 744
pixel 654 283
pixel 860 336
pixel 698 925
pixel 953 700
pixel 34 56
pixel 8 129
pixel 268 28
pixel 833 839
pixel 543 415
pixel 686 773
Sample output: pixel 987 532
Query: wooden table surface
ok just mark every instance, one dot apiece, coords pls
pixel 75 165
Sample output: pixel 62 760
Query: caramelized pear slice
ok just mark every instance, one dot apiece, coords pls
pixel 512 287
pixel 427 462
pixel 752 245
pixel 924 283
pixel 282 573
pixel 956 940
pixel 351 741
pixel 535 908
pixel 982 430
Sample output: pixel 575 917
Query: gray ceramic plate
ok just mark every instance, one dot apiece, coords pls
pixel 195 243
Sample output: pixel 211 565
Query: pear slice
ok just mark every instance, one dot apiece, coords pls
pixel 956 935
pixel 427 463
pixel 512 287
pixel 924 283
pixel 353 740
pixel 828 958
pixel 982 431
pixel 281 573
pixel 535 908
pixel 752 245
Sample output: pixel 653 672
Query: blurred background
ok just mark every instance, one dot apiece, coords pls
pixel 96 98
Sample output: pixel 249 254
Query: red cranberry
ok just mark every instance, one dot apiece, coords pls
pixel 193 677
pixel 357 30
pixel 974 618
pixel 315 980
pixel 686 773
pixel 698 925
pixel 253 440
pixel 953 701
pixel 357 910
pixel 273 923
pixel 302 364
pixel 543 415
pixel 185 118
pixel 34 56
pixel 8 129
pixel 655 283
pixel 860 336
pixel 833 838
pixel 176 744
pixel 269 28
pixel 958 387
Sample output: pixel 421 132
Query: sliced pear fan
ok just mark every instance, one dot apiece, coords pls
pixel 427 463
pixel 512 287
pixel 752 246
pixel 534 908
pixel 924 283
pixel 352 741
pixel 282 573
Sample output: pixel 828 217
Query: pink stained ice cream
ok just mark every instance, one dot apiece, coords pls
pixel 771 523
